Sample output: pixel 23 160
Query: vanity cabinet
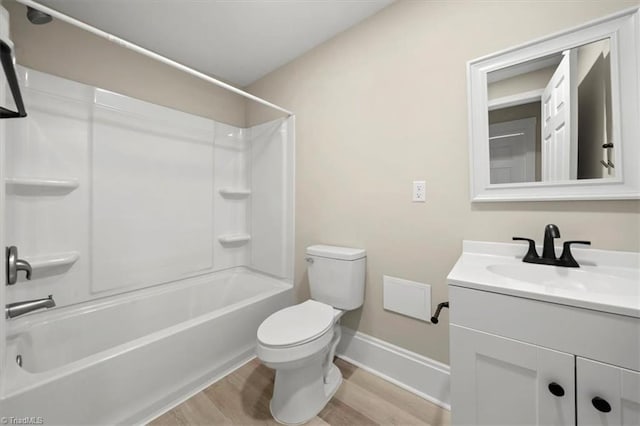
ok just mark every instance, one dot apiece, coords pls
pixel 518 361
pixel 499 381
pixel 619 387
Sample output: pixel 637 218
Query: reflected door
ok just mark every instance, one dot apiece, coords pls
pixel 512 151
pixel 559 122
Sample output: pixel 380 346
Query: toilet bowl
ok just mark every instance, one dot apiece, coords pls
pixel 299 342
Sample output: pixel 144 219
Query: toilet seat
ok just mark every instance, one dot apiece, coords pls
pixel 296 325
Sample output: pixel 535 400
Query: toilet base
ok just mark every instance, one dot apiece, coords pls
pixel 300 394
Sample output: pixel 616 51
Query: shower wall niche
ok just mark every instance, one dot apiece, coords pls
pixel 108 194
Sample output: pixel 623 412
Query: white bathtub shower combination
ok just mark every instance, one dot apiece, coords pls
pixel 126 358
pixel 164 237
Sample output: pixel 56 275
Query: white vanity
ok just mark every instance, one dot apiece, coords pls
pixel 539 344
pixel 536 344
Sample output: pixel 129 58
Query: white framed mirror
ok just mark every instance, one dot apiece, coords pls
pixel 559 118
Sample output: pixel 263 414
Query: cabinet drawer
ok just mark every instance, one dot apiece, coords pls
pixel 613 339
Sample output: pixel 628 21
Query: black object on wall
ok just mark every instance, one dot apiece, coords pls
pixel 434 318
pixel 12 80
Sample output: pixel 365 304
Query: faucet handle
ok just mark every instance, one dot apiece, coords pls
pixel 566 257
pixel 531 253
pixel 14 265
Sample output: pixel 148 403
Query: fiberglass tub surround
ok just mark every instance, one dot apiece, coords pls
pixel 159 194
pixel 164 237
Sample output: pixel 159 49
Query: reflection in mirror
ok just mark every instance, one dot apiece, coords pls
pixel 550 118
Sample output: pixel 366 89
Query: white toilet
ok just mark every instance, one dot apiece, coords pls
pixel 299 342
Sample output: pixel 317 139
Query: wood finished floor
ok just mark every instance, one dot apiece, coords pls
pixel 242 398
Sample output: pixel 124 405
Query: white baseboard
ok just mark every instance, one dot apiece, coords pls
pixel 415 373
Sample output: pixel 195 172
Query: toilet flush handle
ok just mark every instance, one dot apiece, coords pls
pixel 309 259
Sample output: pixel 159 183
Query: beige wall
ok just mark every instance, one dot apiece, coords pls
pixel 67 51
pixel 385 103
pixel 589 54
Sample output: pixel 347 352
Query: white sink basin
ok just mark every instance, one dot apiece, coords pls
pixel 607 281
pixel 561 279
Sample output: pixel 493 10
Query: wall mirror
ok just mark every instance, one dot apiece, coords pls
pixel 558 118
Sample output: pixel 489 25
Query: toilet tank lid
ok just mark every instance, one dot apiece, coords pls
pixel 335 252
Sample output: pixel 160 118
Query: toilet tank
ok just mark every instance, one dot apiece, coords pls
pixel 336 275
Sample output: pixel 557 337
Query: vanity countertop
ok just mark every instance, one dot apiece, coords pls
pixel 607 281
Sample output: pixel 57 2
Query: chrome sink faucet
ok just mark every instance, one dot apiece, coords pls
pixel 16 309
pixel 551 232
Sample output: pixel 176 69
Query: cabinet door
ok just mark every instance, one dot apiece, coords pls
pixel 618 390
pixel 499 381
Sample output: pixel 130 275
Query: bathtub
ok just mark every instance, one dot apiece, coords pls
pixel 126 359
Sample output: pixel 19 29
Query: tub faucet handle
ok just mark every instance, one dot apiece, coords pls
pixel 14 265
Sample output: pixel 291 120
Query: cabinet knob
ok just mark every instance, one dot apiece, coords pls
pixel 601 404
pixel 556 389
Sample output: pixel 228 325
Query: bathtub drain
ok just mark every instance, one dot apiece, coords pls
pixel 19 360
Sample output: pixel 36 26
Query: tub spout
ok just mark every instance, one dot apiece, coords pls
pixel 16 309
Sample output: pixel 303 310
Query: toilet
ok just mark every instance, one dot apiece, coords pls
pixel 299 342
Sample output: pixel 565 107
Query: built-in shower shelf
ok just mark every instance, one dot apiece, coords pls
pixel 234 238
pixel 53 260
pixel 40 186
pixel 235 192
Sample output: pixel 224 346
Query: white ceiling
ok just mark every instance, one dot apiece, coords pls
pixel 237 41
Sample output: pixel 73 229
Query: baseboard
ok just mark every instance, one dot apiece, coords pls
pixel 415 373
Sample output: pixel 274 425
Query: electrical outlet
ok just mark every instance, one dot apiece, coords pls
pixel 419 191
